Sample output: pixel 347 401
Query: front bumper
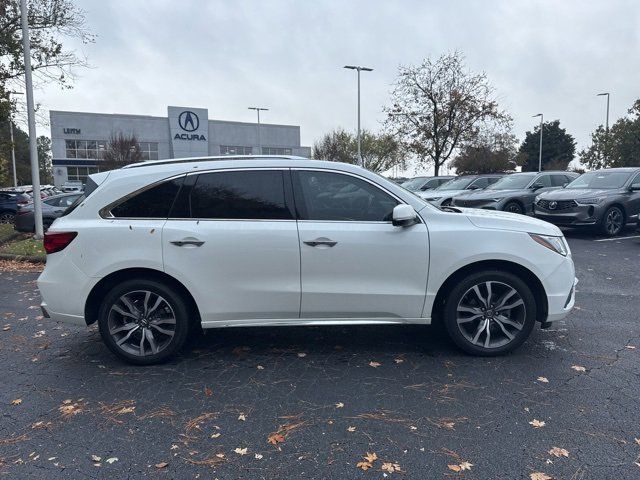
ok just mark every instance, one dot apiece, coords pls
pixel 579 215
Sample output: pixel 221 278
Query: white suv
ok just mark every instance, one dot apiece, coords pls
pixel 156 250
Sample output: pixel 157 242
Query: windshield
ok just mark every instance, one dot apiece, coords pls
pixel 456 184
pixel 414 183
pixel 600 179
pixel 513 182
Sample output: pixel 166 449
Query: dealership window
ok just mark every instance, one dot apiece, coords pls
pixel 235 150
pixel 80 173
pixel 149 150
pixel 93 149
pixel 276 151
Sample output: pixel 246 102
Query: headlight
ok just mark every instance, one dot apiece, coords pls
pixel 537 199
pixel 590 201
pixel 557 244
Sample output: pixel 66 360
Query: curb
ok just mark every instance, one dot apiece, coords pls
pixel 23 258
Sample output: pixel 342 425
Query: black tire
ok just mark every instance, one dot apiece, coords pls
pixel 135 289
pixel 7 217
pixel 523 315
pixel 613 221
pixel 514 207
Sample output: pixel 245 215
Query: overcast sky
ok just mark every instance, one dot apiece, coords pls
pixel 541 56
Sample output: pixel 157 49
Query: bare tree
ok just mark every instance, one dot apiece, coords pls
pixel 438 105
pixel 121 150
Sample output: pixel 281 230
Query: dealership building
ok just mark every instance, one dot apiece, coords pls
pixel 79 140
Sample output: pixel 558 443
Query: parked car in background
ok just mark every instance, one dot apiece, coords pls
pixel 605 199
pixel 52 208
pixel 421 184
pixel 161 248
pixel 515 193
pixel 442 195
pixel 9 202
pixel 72 186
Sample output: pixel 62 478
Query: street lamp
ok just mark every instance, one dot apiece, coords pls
pixel 359 69
pixel 33 147
pixel 607 120
pixel 13 145
pixel 540 152
pixel 258 110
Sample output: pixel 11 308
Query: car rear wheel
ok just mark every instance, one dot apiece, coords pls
pixel 514 207
pixel 613 221
pixel 490 313
pixel 143 321
pixel 7 217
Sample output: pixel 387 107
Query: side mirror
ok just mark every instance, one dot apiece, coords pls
pixel 565 184
pixel 536 186
pixel 473 187
pixel 404 216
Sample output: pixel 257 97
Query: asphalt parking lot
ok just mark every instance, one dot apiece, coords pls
pixel 313 402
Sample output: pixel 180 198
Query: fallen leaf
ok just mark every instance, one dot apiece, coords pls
pixel 466 466
pixel 124 410
pixel 637 440
pixel 161 465
pixel 220 455
pixel 275 438
pixel 17 401
pixel 374 364
pixel 241 451
pixel 539 476
pixel 631 347
pixel 208 392
pixel 559 452
pixel 242 417
pixel 390 467
pixel 302 354
pixel 413 427
pixel 260 367
pixel 351 429
pixel 543 379
pixel 537 423
pixel 398 360
pixel 258 456
pixel 371 457
pixel 96 458
pixel 339 405
pixel 6 328
pixel 578 368
pixel 455 468
pixel 215 435
pixel 111 460
pixel 364 465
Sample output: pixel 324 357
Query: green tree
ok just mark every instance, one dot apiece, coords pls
pixel 491 153
pixel 620 147
pixel 558 148
pixel 439 105
pixel 44 160
pixel 380 152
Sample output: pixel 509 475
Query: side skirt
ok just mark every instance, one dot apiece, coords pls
pixel 302 322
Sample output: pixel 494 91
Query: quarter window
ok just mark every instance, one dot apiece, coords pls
pixel 334 196
pixel 153 202
pixel 243 195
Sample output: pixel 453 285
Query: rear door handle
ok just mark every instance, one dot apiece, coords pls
pixel 182 243
pixel 322 241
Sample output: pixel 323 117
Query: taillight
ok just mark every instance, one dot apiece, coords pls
pixel 56 241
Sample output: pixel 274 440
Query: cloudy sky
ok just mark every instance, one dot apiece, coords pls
pixel 541 56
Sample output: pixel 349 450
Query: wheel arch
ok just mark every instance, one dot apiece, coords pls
pixel 527 275
pixel 100 289
pixel 517 200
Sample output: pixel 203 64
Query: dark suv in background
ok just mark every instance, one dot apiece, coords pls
pixel 444 194
pixel 9 201
pixel 420 184
pixel 607 199
pixel 515 193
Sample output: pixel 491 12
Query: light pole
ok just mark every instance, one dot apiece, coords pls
pixel 258 110
pixel 607 120
pixel 540 152
pixel 13 145
pixel 33 147
pixel 359 69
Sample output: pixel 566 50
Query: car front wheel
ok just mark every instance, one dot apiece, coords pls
pixel 7 217
pixel 143 321
pixel 514 207
pixel 613 221
pixel 490 313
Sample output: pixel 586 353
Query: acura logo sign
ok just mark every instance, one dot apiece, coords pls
pixel 188 121
pixel 553 205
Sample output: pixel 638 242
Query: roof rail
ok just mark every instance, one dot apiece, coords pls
pixel 169 161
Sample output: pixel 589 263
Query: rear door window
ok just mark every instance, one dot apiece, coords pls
pixel 544 180
pixel 153 202
pixel 558 180
pixel 240 195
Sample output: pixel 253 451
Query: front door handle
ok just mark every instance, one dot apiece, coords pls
pixel 322 241
pixel 182 243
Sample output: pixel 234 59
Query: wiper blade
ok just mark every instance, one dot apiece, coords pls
pixel 449 208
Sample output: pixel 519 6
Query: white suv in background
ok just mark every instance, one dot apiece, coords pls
pixel 158 249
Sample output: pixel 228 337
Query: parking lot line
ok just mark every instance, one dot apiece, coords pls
pixel 616 238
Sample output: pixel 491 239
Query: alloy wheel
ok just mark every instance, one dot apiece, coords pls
pixel 7 218
pixel 613 221
pixel 491 314
pixel 141 323
pixel 513 208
